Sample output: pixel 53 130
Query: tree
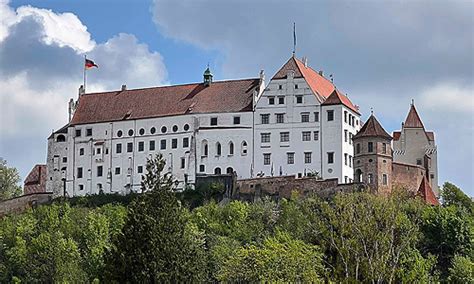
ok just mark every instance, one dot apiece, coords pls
pixel 156 243
pixel 453 195
pixel 461 270
pixel 9 179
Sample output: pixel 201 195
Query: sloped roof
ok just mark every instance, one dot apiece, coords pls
pixel 322 87
pixel 425 192
pixel 413 119
pixel 372 128
pixel 397 134
pixel 336 98
pixel 36 180
pixel 219 96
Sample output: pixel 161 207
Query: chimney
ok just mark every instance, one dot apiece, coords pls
pixel 71 108
pixel 124 87
pixel 321 72
pixel 81 90
pixel 305 61
pixel 262 75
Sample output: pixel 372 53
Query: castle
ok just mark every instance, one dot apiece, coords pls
pixel 299 124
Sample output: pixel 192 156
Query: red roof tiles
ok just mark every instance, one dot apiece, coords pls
pixel 425 192
pixel 337 98
pixel 413 119
pixel 220 96
pixel 36 180
pixel 372 128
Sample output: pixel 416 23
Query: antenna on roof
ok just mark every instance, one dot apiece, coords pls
pixel 331 77
pixel 294 39
pixel 412 102
pixel 371 111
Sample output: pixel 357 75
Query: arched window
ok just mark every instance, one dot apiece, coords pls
pixel 358 175
pixel 218 149
pixel 217 171
pixel 244 148
pixel 231 148
pixel 205 148
pixel 60 138
pixel 229 170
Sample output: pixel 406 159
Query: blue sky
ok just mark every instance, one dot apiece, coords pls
pixel 382 54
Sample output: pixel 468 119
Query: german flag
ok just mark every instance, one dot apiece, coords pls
pixel 90 64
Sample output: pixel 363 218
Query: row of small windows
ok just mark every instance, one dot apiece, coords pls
pixel 281 100
pixel 370 178
pixel 141 146
pixel 348 136
pixel 217 170
pixel 370 148
pixel 130 132
pixel 236 120
pixel 350 119
pixel 285 136
pixel 290 158
pixel 218 147
pixel 280 117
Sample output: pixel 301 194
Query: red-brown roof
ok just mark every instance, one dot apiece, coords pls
pixel 36 180
pixel 372 128
pixel 336 98
pixel 321 87
pixel 220 96
pixel 397 134
pixel 413 119
pixel 425 192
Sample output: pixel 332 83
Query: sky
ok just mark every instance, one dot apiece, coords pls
pixel 382 54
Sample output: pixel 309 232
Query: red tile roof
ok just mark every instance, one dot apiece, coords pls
pixel 425 192
pixel 372 128
pixel 36 180
pixel 220 96
pixel 396 135
pixel 337 98
pixel 322 87
pixel 413 119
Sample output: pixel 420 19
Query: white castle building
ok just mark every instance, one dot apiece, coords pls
pixel 297 124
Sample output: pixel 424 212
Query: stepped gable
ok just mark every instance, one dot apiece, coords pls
pixel 219 96
pixel 372 128
pixel 413 119
pixel 425 192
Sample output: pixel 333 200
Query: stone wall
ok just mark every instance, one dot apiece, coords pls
pixel 407 176
pixel 21 203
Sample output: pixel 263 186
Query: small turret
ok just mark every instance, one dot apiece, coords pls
pixel 207 77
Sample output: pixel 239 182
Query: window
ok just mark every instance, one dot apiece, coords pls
pixel 418 162
pixel 280 87
pixel 316 135
pixel 185 142
pixel 271 100
pixel 345 135
pixel 78 132
pixel 345 116
pixel 229 170
pixel 299 99
pixel 183 163
pixel 141 131
pixel 152 145
pixel 350 161
pixel 357 148
pixel 130 132
pixel 175 128
pixel 316 116
pixel 218 149
pixel 280 118
pixel 384 148
pixel 345 179
pixel 370 147
pixel 153 130
pixel 163 144
pixel 89 132
pixel 305 117
pixel 118 148
pixel 117 170
pixel 352 119
pixel 141 146
pixel 202 168
pixel 281 100
pixel 79 172
pixel 81 187
pixel 330 115
pixel 81 152
pixel 290 158
pixel 100 170
pixel 64 159
pixel 205 149
pixel 296 86
pixel 129 147
pixel 244 148
pixel 140 169
pixel 345 159
pixel 186 127
pixel 307 157
pixel 119 133
pixel 163 129
pixel 231 148
pixel 265 118
pixel 236 119
pixel 284 136
pixel 266 158
pixel 350 138
pixel 213 120
pixel 384 179
pixel 306 135
pixel 330 157
pixel 98 150
pixel 369 178
pixel 265 137
pixel 217 171
pixel 174 143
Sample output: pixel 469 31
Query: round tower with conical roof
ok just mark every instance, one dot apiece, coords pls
pixel 373 156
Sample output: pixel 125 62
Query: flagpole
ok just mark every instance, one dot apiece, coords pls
pixel 84 66
pixel 294 39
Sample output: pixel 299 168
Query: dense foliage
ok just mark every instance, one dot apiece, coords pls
pixel 351 238
pixel 9 180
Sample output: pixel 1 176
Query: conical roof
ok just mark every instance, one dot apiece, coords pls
pixel 413 119
pixel 372 128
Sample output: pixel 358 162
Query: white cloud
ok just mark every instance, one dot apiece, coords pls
pixel 449 97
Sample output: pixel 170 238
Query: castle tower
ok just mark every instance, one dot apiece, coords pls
pixel 373 156
pixel 415 146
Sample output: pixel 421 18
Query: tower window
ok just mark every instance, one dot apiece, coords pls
pixel 330 115
pixel 370 179
pixel 345 116
pixel 370 147
pixel 345 159
pixel 418 162
pixel 280 87
pixel 296 86
pixel 330 157
pixel 202 168
pixel 384 148
pixel 79 172
pixel 81 152
pixel 384 179
pixel 99 171
pixel 358 148
pixel 183 163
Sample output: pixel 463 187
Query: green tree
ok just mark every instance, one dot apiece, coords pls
pixel 9 179
pixel 453 195
pixel 156 243
pixel 461 270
